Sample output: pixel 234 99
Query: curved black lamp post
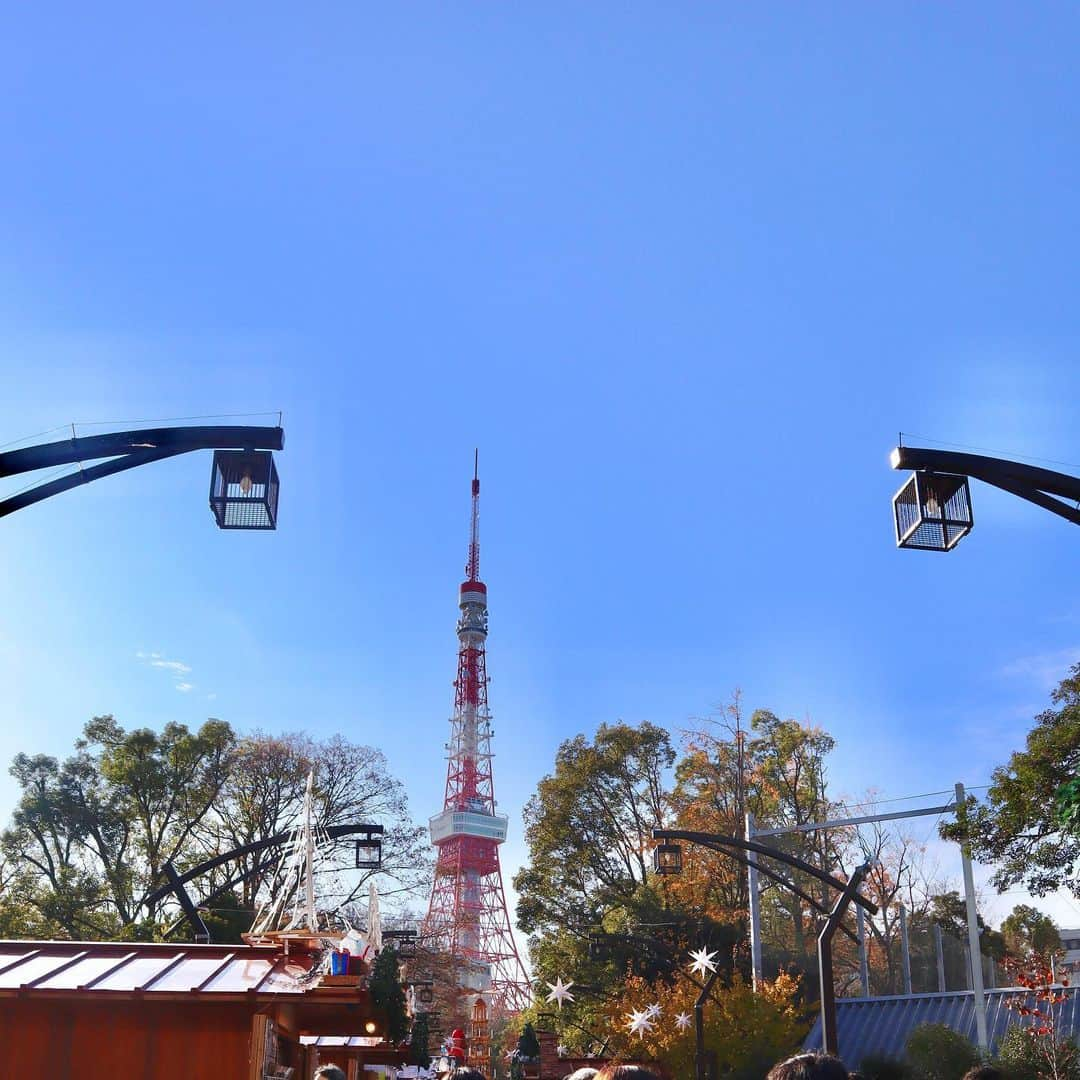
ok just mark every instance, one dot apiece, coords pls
pixel 368 857
pixel 668 860
pixel 243 485
pixel 932 511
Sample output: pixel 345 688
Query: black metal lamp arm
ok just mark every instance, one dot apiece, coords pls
pixel 128 450
pixel 1043 487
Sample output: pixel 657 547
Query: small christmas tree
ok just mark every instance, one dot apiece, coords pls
pixel 419 1053
pixel 528 1046
pixel 388 996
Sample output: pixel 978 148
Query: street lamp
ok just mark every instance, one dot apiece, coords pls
pixel 736 848
pixel 932 511
pixel 369 851
pixel 244 489
pixel 667 859
pixel 243 483
pixel 404 941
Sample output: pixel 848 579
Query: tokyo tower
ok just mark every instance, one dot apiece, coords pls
pixel 467 917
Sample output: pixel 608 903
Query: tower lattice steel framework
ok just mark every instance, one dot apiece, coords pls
pixel 467 916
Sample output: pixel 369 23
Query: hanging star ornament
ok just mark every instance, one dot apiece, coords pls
pixel 682 1021
pixel 560 992
pixel 703 961
pixel 640 1024
pixel 653 1011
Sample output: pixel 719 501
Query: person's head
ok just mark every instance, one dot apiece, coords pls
pixel 626 1072
pixel 984 1072
pixel 584 1073
pixel 462 1073
pixel 329 1072
pixel 809 1067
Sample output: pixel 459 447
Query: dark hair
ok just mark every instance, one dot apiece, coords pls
pixel 984 1072
pixel 809 1067
pixel 464 1073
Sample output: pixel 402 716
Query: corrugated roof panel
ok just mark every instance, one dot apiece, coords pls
pixel 85 971
pixel 31 969
pixel 8 953
pixel 136 973
pixel 240 975
pixel 186 975
pixel 882 1025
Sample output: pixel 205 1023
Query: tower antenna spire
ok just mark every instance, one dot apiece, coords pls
pixel 467 914
pixel 472 567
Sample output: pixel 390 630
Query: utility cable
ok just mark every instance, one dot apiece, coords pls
pixel 988 450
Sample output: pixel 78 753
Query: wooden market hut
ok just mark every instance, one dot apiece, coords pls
pixel 137 1011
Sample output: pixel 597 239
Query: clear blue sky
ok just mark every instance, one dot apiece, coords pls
pixel 680 271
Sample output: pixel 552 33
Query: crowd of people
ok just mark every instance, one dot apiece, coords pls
pixel 799 1067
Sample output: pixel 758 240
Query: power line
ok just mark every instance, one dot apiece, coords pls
pixel 140 420
pixel 989 450
pixel 175 419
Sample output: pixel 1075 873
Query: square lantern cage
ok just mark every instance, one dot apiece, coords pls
pixel 244 489
pixel 667 859
pixel 932 511
pixel 369 852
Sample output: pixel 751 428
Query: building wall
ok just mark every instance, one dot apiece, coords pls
pixel 133 1040
pixel 1070 940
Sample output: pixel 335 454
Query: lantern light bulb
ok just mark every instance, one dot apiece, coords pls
pixel 245 483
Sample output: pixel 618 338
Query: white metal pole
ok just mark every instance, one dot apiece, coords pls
pixel 974 952
pixel 755 907
pixel 864 966
pixel 905 950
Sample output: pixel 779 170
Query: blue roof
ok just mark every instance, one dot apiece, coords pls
pixel 882 1025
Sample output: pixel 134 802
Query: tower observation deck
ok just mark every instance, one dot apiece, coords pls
pixel 467 916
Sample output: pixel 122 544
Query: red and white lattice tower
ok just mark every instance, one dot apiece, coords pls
pixel 467 917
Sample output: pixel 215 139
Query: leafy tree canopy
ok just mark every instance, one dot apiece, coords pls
pixel 1017 828
pixel 1027 930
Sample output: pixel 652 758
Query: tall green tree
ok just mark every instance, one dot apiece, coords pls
pixel 264 795
pixel 1027 930
pixel 95 831
pixel 91 834
pixel 1018 828
pixel 589 827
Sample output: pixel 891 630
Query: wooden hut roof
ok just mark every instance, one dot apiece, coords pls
pixel 140 968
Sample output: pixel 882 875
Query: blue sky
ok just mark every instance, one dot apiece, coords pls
pixel 680 271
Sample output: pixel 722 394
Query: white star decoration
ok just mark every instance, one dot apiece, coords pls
pixel 560 992
pixel 703 961
pixel 640 1024
pixel 682 1021
pixel 653 1011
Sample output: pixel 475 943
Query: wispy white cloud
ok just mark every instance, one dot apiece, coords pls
pixel 176 669
pixel 1044 670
